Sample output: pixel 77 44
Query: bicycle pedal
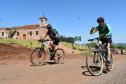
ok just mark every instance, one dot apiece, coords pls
pixel 97 61
pixel 105 71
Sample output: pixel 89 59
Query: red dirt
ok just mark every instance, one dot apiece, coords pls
pixel 17 52
pixel 13 51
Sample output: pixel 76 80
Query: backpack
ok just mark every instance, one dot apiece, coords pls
pixel 56 32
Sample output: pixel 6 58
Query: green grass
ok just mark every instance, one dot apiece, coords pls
pixel 33 44
pixel 77 46
pixel 25 43
pixel 83 48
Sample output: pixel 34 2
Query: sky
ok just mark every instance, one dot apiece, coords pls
pixel 69 17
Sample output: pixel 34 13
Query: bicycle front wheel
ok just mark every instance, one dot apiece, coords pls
pixel 94 63
pixel 37 57
pixel 59 55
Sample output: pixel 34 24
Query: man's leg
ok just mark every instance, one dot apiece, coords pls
pixel 51 49
pixel 109 51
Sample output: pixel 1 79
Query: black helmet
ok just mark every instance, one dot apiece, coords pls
pixel 49 26
pixel 100 19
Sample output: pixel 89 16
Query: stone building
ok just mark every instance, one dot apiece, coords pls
pixel 27 32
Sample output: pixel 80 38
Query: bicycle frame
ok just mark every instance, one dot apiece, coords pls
pixel 100 48
pixel 44 44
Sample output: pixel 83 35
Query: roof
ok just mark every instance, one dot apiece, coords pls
pixel 28 26
pixel 33 26
pixel 43 17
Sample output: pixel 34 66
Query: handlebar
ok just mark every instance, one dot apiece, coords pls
pixel 94 39
pixel 43 40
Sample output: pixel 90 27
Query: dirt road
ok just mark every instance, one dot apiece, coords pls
pixel 21 72
pixel 69 73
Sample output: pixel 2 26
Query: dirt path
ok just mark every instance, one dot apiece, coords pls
pixel 69 73
pixel 15 68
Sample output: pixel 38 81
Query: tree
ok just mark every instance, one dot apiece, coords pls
pixel 121 47
pixel 67 39
pixel 11 33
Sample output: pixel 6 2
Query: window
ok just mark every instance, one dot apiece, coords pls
pixel 30 33
pixel 17 33
pixel 42 21
pixel 36 32
pixel 2 33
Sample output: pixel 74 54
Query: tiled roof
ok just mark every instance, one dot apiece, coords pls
pixel 33 26
pixel 28 26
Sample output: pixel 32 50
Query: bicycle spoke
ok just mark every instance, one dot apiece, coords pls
pixel 37 57
pixel 59 56
pixel 94 64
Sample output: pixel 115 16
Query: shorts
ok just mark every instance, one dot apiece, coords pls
pixel 56 41
pixel 106 40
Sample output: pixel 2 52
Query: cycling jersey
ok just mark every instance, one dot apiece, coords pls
pixel 104 30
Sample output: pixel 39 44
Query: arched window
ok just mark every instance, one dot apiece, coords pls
pixel 30 33
pixel 36 33
pixel 2 33
pixel 17 33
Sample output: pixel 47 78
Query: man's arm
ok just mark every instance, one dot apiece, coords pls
pixel 93 30
pixel 109 30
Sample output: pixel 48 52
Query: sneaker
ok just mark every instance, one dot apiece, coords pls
pixel 51 57
pixel 108 62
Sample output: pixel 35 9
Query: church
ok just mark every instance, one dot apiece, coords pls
pixel 27 32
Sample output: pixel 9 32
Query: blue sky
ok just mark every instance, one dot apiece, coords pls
pixel 69 17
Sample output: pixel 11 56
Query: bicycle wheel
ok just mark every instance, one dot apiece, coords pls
pixel 94 63
pixel 110 67
pixel 37 57
pixel 59 55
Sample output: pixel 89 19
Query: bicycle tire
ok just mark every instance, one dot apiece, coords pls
pixel 37 57
pixel 93 67
pixel 59 56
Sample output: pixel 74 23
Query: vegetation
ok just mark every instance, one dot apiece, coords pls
pixel 81 47
pixel 25 43
pixel 11 33
pixel 67 39
pixel 119 46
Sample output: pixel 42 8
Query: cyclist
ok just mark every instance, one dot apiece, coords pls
pixel 54 37
pixel 105 35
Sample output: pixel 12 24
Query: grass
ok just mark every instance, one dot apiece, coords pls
pixel 25 43
pixel 83 48
pixel 33 44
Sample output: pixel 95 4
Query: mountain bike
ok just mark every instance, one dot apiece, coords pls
pixel 96 61
pixel 39 54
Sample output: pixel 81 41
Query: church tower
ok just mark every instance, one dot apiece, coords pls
pixel 43 21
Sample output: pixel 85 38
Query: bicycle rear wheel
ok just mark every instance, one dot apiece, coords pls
pixel 94 63
pixel 59 56
pixel 37 57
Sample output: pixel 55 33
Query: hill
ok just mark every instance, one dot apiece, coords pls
pixel 121 44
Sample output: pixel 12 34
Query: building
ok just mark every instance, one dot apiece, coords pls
pixel 27 32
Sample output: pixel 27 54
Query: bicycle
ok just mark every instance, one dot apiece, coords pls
pixel 96 61
pixel 39 54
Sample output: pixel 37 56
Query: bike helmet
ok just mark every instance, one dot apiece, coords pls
pixel 49 26
pixel 100 19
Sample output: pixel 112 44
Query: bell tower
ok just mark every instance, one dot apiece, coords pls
pixel 43 21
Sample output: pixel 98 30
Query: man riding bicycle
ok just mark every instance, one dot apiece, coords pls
pixel 54 37
pixel 105 35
